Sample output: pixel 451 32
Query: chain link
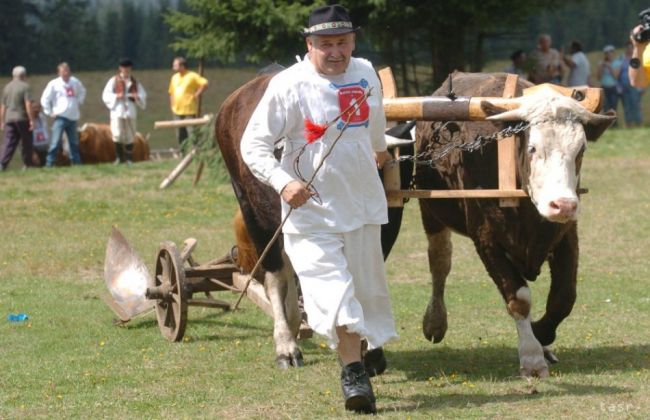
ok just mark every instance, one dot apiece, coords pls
pixel 429 156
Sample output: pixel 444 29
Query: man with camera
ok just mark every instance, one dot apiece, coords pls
pixel 639 70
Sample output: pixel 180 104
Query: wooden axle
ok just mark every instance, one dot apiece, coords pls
pixel 188 122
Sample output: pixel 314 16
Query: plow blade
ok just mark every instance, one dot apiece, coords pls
pixel 126 277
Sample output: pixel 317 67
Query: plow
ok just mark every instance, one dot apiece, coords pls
pixel 179 281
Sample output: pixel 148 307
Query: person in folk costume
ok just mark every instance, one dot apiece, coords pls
pixel 332 240
pixel 121 95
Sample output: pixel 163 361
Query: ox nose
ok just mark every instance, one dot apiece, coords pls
pixel 563 207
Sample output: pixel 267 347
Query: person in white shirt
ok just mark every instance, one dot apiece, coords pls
pixel 580 70
pixel 61 100
pixel 121 95
pixel 333 236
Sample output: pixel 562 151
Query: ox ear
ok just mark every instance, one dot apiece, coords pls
pixel 596 124
pixel 392 142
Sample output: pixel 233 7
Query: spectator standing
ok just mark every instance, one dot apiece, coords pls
pixel 185 89
pixel 61 100
pixel 16 118
pixel 518 62
pixel 40 134
pixel 608 72
pixel 630 95
pixel 121 95
pixel 579 68
pixel 639 69
pixel 546 62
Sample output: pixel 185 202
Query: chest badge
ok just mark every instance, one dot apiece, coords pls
pixel 348 96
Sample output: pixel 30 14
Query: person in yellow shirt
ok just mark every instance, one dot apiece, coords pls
pixel 185 89
pixel 639 70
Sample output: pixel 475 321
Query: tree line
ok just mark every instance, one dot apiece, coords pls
pixel 423 40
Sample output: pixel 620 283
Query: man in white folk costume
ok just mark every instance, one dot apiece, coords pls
pixel 333 236
pixel 121 95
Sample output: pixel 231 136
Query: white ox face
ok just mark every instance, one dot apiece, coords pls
pixel 555 147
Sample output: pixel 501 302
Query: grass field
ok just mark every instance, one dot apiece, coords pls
pixel 68 360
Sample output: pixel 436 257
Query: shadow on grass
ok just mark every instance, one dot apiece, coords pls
pixel 502 362
pixel 437 400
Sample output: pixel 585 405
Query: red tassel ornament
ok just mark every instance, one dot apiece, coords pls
pixel 314 131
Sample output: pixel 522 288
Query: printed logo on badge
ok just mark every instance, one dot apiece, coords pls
pixel 69 91
pixel 349 96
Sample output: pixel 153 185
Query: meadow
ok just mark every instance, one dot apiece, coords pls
pixel 68 360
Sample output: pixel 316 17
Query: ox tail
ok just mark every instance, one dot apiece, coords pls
pixel 246 251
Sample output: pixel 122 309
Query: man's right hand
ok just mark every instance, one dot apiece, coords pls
pixel 636 30
pixel 295 194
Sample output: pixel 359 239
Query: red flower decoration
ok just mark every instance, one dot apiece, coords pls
pixel 314 131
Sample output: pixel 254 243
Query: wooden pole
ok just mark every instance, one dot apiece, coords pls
pixel 178 170
pixel 507 151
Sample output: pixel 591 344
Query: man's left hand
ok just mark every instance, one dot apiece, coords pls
pixel 382 157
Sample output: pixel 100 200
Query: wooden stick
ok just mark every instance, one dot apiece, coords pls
pixel 183 123
pixel 199 172
pixel 507 151
pixel 178 170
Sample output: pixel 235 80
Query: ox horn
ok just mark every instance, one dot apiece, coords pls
pixel 392 142
pixel 517 114
pixel 82 128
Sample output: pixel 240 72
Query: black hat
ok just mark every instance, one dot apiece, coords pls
pixel 125 62
pixel 329 20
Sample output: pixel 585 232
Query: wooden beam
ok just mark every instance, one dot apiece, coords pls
pixel 457 194
pixel 182 123
pixel 507 151
pixel 255 292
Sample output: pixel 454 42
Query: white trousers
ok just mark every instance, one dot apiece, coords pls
pixel 343 282
pixel 123 130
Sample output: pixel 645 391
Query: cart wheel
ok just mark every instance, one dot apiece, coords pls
pixel 171 307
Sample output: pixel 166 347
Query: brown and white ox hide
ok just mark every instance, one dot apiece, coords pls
pixel 259 216
pixel 96 146
pixel 512 242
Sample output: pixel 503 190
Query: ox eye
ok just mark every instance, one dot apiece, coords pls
pixel 531 150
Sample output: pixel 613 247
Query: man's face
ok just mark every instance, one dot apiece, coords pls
pixel 125 71
pixel 64 72
pixel 545 43
pixel 330 54
pixel 178 66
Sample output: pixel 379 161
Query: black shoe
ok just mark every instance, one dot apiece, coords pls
pixel 357 389
pixel 375 362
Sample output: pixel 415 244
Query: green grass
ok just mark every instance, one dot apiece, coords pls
pixel 68 360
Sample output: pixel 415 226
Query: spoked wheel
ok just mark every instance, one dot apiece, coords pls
pixel 168 288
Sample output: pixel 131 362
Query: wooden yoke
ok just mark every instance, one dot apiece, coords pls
pixel 507 152
pixel 392 177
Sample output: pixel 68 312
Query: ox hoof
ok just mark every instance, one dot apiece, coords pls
pixel 285 361
pixel 550 356
pixel 534 372
pixel 434 323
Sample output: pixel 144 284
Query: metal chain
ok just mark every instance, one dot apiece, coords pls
pixel 429 156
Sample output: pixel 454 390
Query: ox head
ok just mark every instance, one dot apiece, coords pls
pixel 559 130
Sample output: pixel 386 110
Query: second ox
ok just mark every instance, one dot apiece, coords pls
pixel 512 242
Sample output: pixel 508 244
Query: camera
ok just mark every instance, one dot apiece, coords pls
pixel 644 34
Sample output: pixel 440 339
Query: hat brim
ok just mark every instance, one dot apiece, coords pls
pixel 331 31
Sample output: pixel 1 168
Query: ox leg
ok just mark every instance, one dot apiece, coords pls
pixel 434 323
pixel 563 262
pixel 281 289
pixel 531 354
pixel 518 300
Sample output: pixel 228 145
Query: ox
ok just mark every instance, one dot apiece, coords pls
pixel 512 242
pixel 259 217
pixel 96 146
